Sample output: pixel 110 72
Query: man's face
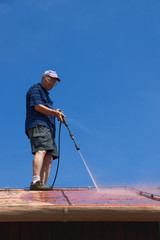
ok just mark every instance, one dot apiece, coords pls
pixel 49 83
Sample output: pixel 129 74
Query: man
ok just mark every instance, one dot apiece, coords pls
pixel 40 128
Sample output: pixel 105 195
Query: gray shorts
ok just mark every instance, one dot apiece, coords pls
pixel 42 139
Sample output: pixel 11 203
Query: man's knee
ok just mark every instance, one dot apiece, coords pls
pixel 41 153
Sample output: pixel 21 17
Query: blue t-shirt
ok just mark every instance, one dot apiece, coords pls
pixel 38 95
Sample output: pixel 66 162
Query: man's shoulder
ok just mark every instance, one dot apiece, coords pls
pixel 34 87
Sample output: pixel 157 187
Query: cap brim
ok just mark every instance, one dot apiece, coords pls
pixel 55 78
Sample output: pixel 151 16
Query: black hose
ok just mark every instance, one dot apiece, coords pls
pixel 58 156
pixel 72 137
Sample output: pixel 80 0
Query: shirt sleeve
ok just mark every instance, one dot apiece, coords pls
pixel 35 97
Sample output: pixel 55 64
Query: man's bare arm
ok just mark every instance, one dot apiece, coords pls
pixel 45 110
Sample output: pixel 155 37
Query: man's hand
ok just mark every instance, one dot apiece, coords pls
pixel 59 115
pixel 45 110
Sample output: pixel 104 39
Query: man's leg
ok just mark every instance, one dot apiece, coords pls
pixel 45 170
pixel 38 162
pixel 37 167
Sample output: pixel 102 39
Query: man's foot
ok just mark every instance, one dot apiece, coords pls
pixel 39 186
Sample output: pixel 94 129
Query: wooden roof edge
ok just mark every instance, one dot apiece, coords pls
pixel 80 213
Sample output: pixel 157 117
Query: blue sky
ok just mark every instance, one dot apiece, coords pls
pixel 107 54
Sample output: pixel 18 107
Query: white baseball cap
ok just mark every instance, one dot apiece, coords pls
pixel 52 74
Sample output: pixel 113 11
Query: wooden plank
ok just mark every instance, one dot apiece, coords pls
pixel 14 231
pixel 24 230
pixel 79 230
pixel 4 230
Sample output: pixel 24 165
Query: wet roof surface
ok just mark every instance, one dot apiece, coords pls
pixel 81 197
pixel 109 204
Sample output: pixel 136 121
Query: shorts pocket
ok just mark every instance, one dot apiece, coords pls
pixel 39 134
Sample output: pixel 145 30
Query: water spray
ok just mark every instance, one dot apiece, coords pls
pixel 78 149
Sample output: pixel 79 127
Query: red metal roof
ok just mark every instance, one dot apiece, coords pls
pixel 110 204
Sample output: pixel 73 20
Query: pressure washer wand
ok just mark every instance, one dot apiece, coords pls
pixel 78 149
pixel 71 135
